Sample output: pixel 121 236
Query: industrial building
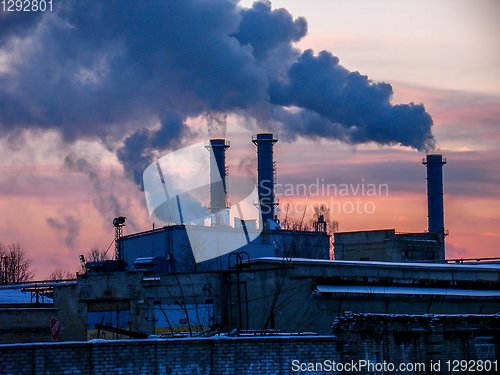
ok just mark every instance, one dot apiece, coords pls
pixel 169 248
pixel 180 244
pixel 264 295
pixel 25 313
pixel 389 246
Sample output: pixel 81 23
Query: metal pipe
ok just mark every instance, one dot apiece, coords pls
pixel 435 204
pixel 218 191
pixel 266 174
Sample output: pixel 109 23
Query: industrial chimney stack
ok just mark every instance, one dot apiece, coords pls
pixel 266 175
pixel 218 191
pixel 435 205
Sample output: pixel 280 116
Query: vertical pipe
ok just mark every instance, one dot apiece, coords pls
pixel 435 205
pixel 265 170
pixel 218 191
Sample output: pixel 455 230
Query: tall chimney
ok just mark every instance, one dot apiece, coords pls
pixel 266 174
pixel 218 191
pixel 435 205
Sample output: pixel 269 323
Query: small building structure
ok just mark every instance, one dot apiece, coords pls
pixel 172 244
pixel 388 246
pixel 25 313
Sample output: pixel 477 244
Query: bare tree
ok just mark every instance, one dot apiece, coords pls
pixel 59 274
pixel 96 255
pixel 16 267
pixel 321 213
pixel 307 246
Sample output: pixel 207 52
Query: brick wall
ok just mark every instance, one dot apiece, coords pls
pixel 270 355
pixel 371 337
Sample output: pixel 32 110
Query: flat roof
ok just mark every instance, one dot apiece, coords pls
pixel 407 291
pixel 370 230
pixel 17 296
pixel 368 263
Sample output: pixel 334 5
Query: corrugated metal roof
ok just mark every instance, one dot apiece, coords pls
pixel 361 289
pixel 367 263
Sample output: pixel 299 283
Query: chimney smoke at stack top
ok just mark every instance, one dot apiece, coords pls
pixel 216 124
pixel 266 174
pixel 435 204
pixel 218 191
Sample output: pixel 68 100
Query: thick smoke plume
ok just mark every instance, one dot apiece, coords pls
pixel 130 74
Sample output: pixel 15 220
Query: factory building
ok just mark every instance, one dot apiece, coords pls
pixel 208 243
pixel 25 314
pixel 170 249
pixel 263 295
pixel 183 245
pixel 388 245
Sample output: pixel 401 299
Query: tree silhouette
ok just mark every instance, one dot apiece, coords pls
pixel 96 255
pixel 59 274
pixel 16 267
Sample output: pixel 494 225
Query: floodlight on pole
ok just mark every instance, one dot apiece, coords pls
pixel 119 223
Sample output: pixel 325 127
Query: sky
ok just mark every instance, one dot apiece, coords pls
pixel 356 90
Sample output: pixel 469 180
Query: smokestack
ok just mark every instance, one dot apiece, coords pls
pixel 218 191
pixel 435 205
pixel 266 174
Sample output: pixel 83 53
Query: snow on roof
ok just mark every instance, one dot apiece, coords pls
pixel 489 266
pixel 16 296
pixel 427 315
pixel 362 289
pixel 146 260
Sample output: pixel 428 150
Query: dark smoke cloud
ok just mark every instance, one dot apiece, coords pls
pixel 130 74
pixel 265 30
pixel 17 23
pixel 140 148
pixel 361 108
pixel 101 68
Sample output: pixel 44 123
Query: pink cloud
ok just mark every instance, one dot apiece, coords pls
pixel 456 252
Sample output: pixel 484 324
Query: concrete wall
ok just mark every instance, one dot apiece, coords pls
pixel 387 246
pixel 134 296
pixel 178 356
pixel 174 241
pixel 26 324
pixel 365 245
pixel 71 313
